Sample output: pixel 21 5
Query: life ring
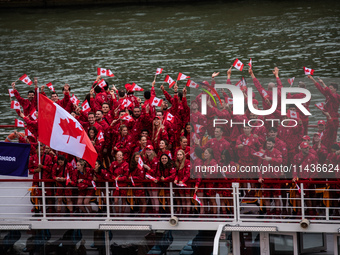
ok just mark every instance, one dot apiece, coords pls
pixel 13 136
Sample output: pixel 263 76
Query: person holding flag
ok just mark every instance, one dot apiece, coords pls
pixel 332 99
pixel 150 160
pixel 65 178
pixel 30 103
pixel 119 171
pixel 136 176
pixel 96 142
pixel 41 170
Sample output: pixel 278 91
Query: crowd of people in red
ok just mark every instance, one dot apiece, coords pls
pixel 170 139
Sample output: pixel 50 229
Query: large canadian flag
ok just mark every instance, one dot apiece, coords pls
pixel 61 131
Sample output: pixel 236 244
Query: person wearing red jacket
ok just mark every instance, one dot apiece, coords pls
pixel 101 121
pixel 85 187
pixel 272 157
pixel 42 170
pixel 29 104
pixel 65 177
pixel 292 137
pixel 100 175
pixel 303 117
pixel 182 176
pixel 66 101
pixel 210 192
pixel 158 133
pixel 246 145
pixel 163 149
pixel 91 122
pixel 123 143
pixel 302 161
pixel 107 116
pixel 166 173
pixel 98 145
pixel 267 95
pixel 149 96
pixel 321 150
pixel 327 131
pixel 196 117
pixel 136 175
pixel 224 189
pixel 32 125
pixel 279 145
pixel 150 160
pixel 183 142
pixel 119 170
pixel 332 99
pixel 259 130
pixel 218 144
pixel 169 127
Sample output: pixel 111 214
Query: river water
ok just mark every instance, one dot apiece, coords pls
pixel 66 45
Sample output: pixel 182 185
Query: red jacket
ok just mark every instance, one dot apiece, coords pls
pixel 303 162
pixel 46 172
pixel 183 174
pixel 276 160
pixel 27 105
pixel 62 171
pixel 120 170
pixel 250 146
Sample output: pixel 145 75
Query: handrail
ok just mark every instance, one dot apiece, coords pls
pixel 192 181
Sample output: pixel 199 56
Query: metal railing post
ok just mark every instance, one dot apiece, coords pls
pixel 43 199
pixel 236 196
pixel 171 200
pixel 107 200
pixel 302 201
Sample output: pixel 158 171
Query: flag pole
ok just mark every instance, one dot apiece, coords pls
pixel 17 80
pixel 155 78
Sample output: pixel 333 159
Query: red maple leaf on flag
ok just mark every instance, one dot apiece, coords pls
pixel 69 128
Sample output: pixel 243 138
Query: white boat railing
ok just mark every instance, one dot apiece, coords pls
pixel 245 204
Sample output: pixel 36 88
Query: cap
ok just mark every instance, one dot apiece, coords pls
pixel 318 134
pixel 150 147
pixel 306 137
pixel 156 117
pixel 304 145
pixel 321 122
pixel 255 102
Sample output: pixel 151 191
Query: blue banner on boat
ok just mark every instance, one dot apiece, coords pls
pixel 14 159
